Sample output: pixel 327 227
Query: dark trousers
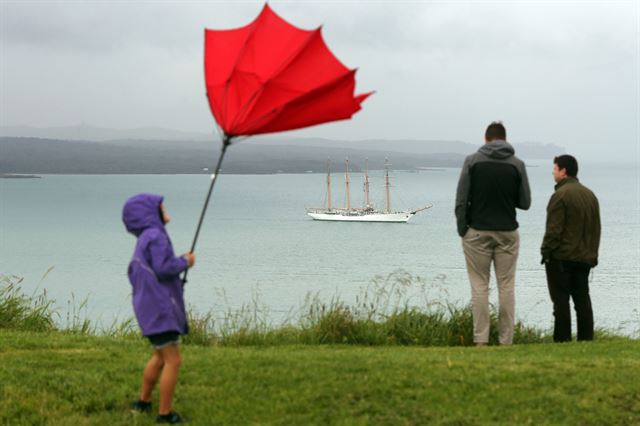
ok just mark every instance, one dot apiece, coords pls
pixel 570 280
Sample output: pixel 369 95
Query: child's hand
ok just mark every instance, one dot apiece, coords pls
pixel 191 258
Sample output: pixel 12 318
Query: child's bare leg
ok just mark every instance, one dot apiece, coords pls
pixel 150 376
pixel 172 361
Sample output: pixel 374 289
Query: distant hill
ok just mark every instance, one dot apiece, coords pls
pixel 85 132
pixel 156 150
pixel 525 150
pixel 50 156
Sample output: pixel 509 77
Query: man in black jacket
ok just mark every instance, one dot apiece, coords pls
pixel 570 249
pixel 493 183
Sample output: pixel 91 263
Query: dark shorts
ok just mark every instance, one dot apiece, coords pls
pixel 165 339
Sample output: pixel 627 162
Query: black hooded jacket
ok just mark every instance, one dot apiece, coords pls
pixel 493 183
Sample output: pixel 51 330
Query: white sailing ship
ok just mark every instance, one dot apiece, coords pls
pixel 366 214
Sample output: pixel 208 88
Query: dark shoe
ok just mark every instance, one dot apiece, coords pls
pixel 140 406
pixel 170 418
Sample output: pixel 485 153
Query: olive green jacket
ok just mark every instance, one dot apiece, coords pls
pixel 573 224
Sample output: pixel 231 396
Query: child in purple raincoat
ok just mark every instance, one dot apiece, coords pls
pixel 157 298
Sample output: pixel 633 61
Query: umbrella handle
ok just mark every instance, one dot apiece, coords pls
pixel 226 141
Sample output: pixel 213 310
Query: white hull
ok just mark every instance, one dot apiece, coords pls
pixel 401 217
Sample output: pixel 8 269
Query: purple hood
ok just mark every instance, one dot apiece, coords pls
pixel 141 212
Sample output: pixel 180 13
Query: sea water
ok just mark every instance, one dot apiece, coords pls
pixel 258 243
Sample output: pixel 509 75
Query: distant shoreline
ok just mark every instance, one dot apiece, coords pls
pixel 18 176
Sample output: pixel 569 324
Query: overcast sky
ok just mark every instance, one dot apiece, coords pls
pixel 565 72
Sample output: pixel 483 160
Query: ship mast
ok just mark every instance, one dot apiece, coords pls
pixel 366 183
pixel 386 183
pixel 329 184
pixel 346 181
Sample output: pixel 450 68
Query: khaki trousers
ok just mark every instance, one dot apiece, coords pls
pixel 480 249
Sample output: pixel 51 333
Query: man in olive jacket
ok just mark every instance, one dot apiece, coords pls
pixel 493 183
pixel 570 249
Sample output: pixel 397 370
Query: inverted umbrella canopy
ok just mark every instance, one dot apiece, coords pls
pixel 271 76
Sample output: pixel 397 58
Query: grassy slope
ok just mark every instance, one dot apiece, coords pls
pixel 56 378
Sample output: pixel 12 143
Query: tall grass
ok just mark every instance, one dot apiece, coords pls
pixel 21 312
pixel 76 318
pixel 38 312
pixel 396 309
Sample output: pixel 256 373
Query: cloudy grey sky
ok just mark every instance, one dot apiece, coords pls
pixel 565 72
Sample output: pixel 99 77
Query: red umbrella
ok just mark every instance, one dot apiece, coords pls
pixel 270 76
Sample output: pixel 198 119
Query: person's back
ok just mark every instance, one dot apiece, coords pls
pixel 154 270
pixel 496 178
pixel 493 183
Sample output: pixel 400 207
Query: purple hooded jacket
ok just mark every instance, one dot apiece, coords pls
pixel 154 269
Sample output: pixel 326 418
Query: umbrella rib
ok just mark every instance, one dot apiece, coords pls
pixel 311 93
pixel 293 56
pixel 235 64
pixel 250 105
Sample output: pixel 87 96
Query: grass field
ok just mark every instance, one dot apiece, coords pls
pixel 378 362
pixel 59 378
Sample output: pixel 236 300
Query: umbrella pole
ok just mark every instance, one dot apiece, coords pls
pixel 226 141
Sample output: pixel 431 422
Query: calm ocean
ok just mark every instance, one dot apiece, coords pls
pixel 257 239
